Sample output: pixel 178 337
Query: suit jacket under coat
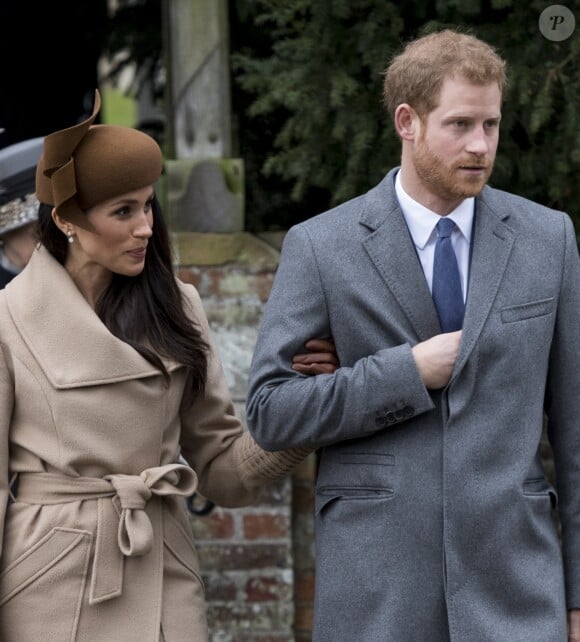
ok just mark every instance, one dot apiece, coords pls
pixel 433 512
pixel 78 405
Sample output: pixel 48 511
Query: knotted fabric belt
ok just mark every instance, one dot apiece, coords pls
pixel 121 502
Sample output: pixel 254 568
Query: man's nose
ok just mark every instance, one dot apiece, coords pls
pixel 478 142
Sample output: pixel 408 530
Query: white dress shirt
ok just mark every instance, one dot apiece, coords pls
pixel 421 223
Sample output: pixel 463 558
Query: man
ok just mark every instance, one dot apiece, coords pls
pixel 18 206
pixel 433 514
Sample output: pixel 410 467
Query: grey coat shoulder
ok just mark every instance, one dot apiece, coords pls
pixel 518 208
pixel 354 217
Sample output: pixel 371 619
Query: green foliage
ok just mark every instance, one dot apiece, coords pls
pixel 313 126
pixel 134 38
pixel 322 85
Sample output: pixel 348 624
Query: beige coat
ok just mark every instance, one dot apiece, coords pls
pixel 98 545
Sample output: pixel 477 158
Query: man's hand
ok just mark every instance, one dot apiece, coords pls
pixel 320 359
pixel 574 625
pixel 435 358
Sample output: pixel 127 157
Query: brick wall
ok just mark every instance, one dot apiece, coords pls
pixel 256 562
pixel 246 562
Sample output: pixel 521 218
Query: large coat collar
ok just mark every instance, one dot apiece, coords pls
pixel 71 344
pixel 391 248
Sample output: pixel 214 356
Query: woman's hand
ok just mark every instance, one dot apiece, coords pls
pixel 574 625
pixel 320 359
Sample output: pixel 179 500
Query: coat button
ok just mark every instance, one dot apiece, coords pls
pixel 381 421
pixel 408 411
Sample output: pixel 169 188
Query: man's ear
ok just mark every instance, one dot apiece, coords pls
pixel 407 122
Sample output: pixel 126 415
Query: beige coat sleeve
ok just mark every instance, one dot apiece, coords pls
pixel 232 469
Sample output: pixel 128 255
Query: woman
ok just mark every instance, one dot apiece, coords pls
pixel 17 241
pixel 108 375
pixel 18 206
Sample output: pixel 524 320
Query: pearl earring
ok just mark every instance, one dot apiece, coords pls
pixel 70 237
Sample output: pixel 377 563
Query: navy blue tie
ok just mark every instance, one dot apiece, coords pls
pixel 446 288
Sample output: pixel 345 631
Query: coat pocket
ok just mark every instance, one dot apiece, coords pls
pixel 61 547
pixel 180 544
pixel 328 494
pixel 51 576
pixel 527 310
pixel 183 611
pixel 540 487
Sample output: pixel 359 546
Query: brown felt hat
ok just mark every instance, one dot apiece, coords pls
pixel 87 164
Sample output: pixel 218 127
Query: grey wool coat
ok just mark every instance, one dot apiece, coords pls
pixel 433 513
pixel 97 546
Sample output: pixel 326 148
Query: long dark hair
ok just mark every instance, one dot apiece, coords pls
pixel 145 311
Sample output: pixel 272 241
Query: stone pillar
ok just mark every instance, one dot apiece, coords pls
pixel 203 185
pixel 199 91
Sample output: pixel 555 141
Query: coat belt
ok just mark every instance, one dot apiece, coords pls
pixel 121 502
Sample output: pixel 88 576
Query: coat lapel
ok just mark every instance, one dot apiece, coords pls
pixel 391 249
pixel 492 244
pixel 71 344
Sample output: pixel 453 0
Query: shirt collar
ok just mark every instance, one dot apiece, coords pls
pixel 421 221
